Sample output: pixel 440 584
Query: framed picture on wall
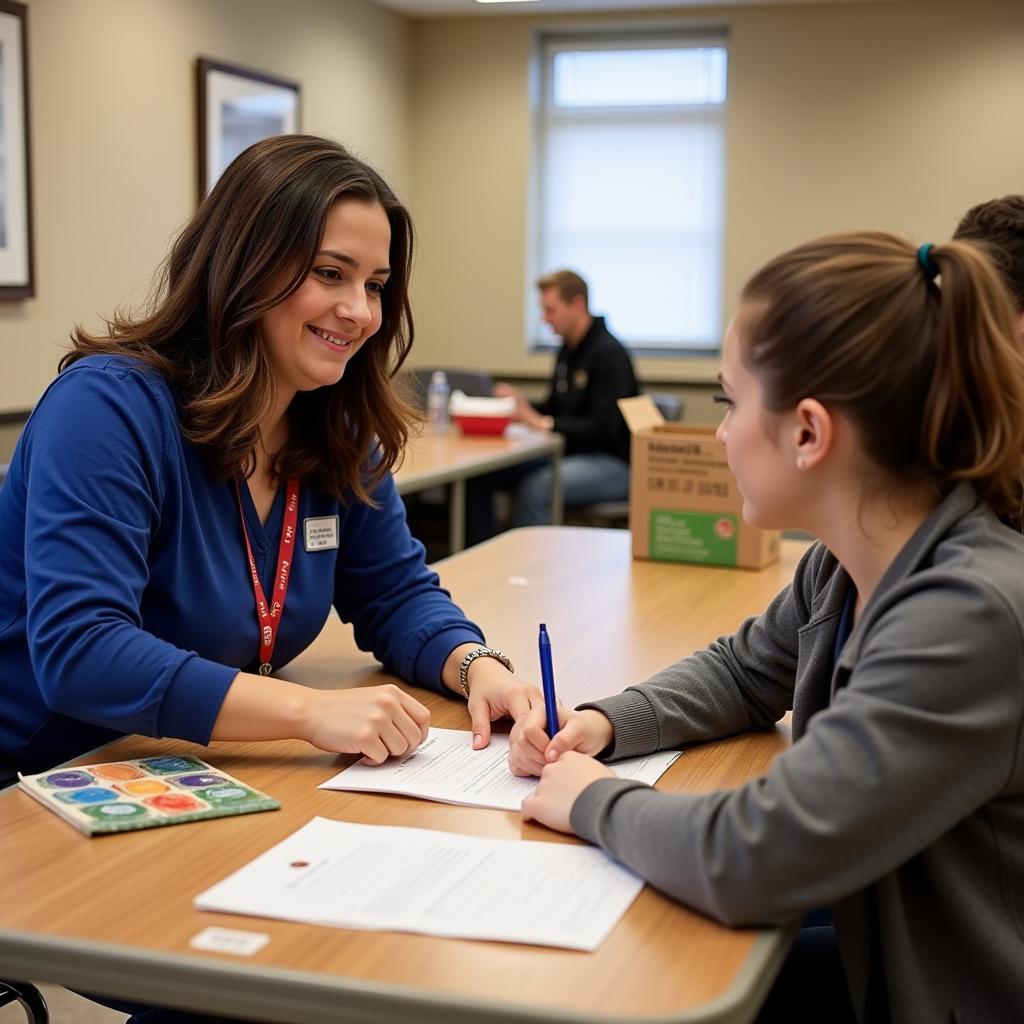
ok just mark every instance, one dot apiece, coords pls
pixel 16 281
pixel 237 107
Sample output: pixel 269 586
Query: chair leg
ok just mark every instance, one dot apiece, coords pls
pixel 30 998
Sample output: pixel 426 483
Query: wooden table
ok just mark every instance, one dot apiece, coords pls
pixel 450 458
pixel 114 914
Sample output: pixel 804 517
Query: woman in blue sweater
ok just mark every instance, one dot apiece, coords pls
pixel 200 485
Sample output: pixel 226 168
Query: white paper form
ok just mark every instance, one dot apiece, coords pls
pixel 446 768
pixel 417 880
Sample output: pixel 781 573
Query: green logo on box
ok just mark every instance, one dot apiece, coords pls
pixel 709 537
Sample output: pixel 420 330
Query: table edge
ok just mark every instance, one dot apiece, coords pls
pixel 264 992
pixel 412 483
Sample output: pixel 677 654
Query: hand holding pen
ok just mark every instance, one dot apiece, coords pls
pixel 549 730
pixel 561 782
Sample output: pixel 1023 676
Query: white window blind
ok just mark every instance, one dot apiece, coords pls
pixel 630 182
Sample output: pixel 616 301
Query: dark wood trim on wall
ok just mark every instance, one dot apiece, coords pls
pixel 28 289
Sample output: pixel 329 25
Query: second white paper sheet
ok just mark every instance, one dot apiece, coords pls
pixel 417 880
pixel 446 768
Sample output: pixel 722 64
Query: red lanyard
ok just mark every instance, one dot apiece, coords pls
pixel 270 617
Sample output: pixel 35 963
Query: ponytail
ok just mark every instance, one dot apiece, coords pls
pixel 916 347
pixel 972 426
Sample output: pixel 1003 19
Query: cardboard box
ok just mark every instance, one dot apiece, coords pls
pixel 684 505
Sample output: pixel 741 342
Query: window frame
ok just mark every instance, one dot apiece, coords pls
pixel 545 113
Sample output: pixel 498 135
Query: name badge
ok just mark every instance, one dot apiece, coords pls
pixel 320 534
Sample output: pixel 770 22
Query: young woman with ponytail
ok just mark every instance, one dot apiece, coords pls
pixel 874 397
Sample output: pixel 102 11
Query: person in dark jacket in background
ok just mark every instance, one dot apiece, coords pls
pixel 592 372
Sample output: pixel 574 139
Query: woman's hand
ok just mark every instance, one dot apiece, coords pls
pixel 561 782
pixel 376 721
pixel 495 693
pixel 587 732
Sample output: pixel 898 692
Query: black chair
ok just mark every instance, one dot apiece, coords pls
pixel 475 383
pixel 670 406
pixel 616 513
pixel 30 999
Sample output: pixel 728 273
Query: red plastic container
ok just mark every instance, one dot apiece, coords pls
pixel 482 424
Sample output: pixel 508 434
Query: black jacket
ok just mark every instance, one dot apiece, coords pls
pixel 588 381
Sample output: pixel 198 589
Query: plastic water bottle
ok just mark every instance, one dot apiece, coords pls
pixel 437 400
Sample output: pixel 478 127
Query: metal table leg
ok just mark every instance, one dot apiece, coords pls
pixel 457 516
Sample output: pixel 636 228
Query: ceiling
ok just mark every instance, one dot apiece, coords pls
pixel 469 8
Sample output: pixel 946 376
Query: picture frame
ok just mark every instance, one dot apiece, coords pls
pixel 237 107
pixel 17 280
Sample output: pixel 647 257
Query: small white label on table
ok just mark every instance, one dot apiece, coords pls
pixel 230 940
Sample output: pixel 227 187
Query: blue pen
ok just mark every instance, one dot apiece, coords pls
pixel 547 678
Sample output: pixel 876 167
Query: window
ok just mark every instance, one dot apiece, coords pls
pixel 630 183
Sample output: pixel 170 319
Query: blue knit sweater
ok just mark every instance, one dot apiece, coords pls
pixel 126 604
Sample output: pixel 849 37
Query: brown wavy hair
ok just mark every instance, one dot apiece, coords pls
pixel 266 215
pixel 927 369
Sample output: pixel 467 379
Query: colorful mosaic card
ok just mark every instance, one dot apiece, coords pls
pixel 119 796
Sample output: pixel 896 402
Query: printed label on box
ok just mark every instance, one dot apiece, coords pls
pixel 709 537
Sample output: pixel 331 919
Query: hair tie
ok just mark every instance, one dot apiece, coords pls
pixel 928 265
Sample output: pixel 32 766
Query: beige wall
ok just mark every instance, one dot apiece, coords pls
pixel 884 114
pixel 8 438
pixel 896 115
pixel 114 137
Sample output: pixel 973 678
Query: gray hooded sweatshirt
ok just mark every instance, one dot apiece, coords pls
pixel 901 801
